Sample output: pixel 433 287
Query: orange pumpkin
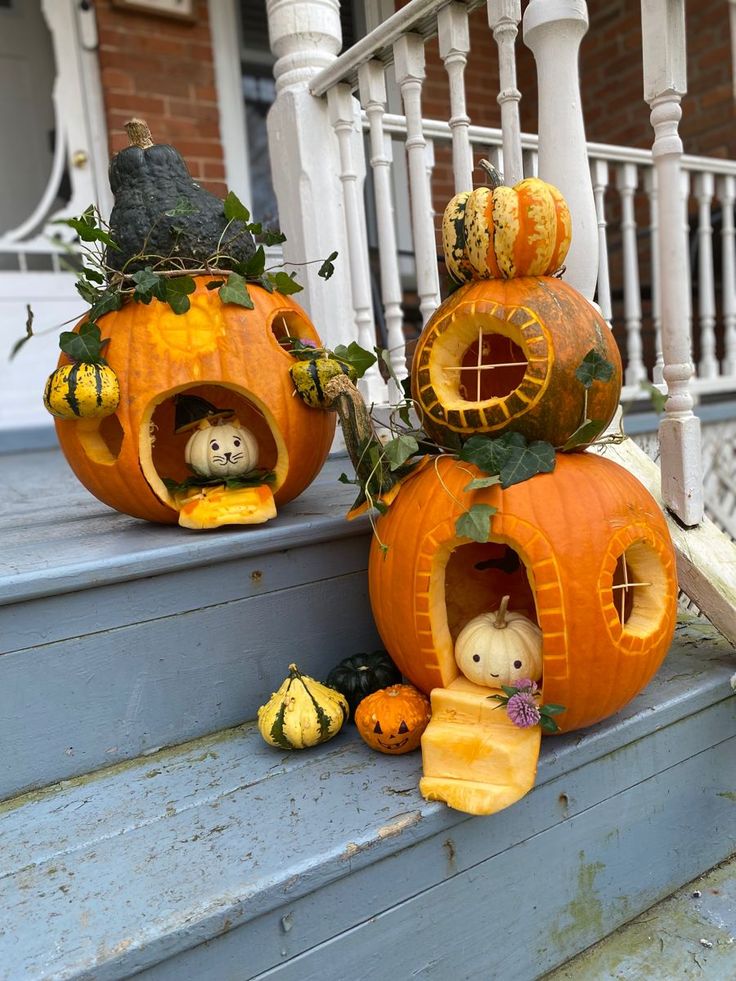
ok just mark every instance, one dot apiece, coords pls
pixel 505 232
pixel 224 353
pixel 538 331
pixel 584 552
pixel 393 719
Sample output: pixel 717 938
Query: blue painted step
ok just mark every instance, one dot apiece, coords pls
pixel 118 637
pixel 227 859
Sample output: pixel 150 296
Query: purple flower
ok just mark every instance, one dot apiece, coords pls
pixel 522 710
pixel 526 684
pixel 306 342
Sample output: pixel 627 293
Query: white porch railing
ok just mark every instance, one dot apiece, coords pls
pixel 599 183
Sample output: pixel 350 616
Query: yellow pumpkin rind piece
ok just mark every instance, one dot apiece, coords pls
pixel 213 507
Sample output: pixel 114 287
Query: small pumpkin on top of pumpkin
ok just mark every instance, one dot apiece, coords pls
pixel 393 719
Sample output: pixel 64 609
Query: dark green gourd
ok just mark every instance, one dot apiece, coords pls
pixel 361 675
pixel 149 180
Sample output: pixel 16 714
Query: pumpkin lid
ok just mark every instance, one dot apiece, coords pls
pixel 190 410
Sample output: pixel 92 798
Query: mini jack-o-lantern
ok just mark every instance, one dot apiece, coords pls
pixel 217 351
pixel 501 355
pixel 496 649
pixel 393 719
pixel 222 450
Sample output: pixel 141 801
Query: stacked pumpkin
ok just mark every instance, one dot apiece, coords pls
pixel 569 599
pixel 183 338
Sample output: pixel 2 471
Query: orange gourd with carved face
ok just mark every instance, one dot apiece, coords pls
pixel 583 552
pixel 224 353
pixel 501 355
pixel 393 719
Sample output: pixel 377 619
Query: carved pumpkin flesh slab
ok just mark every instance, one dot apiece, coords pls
pixel 584 552
pixel 224 353
pixel 502 354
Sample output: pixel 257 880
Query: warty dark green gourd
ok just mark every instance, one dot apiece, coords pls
pixel 149 180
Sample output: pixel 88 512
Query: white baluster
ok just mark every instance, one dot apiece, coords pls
pixel 708 367
pixel 454 38
pixel 663 34
pixel 342 115
pixel 599 176
pixel 373 97
pixel 727 195
pixel 687 272
pixel 503 18
pixel 409 67
pixel 305 36
pixel 627 183
pixel 553 29
pixel 531 163
pixel 650 186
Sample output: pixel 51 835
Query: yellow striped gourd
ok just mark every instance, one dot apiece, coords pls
pixel 82 391
pixel 302 713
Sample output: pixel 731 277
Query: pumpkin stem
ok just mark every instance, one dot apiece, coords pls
pixel 294 671
pixel 138 133
pixel 496 179
pixel 501 623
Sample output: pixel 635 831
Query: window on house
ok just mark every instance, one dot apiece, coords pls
pixel 256 63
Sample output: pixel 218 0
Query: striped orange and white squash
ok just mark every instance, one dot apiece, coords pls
pixel 500 232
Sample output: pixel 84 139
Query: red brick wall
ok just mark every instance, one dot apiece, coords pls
pixel 162 70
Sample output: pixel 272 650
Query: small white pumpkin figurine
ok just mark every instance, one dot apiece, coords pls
pixel 495 649
pixel 221 449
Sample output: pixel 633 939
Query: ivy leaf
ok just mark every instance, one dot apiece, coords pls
pixel 147 284
pixel 658 397
pixel 178 289
pixel 182 207
pixel 524 462
pixel 328 266
pixel 480 482
pixel 398 450
pixel 273 237
pixel 488 454
pixel 236 291
pixel 253 268
pixel 356 356
pixel 87 291
pixel 92 275
pixel 87 228
pixel 547 724
pixel 235 210
pixel 284 283
pixel 585 434
pixel 85 345
pixel 344 479
pixel 105 303
pixel 215 284
pixel 593 367
pixel 405 413
pixel 552 709
pixel 475 523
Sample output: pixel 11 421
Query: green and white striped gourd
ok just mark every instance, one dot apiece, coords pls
pixel 302 713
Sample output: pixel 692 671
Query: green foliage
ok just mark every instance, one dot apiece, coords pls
pixel 398 450
pixel 475 523
pixel 594 367
pixel 587 433
pixel 509 457
pixel 85 345
pixel 235 291
pixel 328 266
pixel 657 396
pixel 355 356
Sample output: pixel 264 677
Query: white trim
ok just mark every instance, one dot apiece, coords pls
pixel 229 84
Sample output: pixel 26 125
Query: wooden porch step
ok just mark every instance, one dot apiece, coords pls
pixel 119 637
pixel 227 859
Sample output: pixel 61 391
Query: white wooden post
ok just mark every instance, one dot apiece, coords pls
pixel 627 184
pixel 409 67
pixel 553 30
pixel 650 186
pixel 727 196
pixel 342 116
pixel 372 81
pixel 305 36
pixel 708 367
pixel 454 37
pixel 503 18
pixel 599 175
pixel 663 35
